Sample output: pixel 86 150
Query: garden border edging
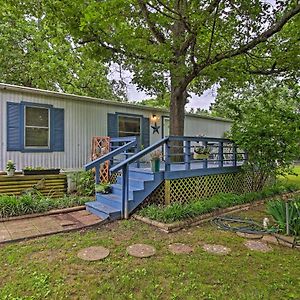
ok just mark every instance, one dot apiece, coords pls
pixel 178 225
pixel 48 213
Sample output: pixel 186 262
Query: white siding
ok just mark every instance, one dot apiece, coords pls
pixel 84 119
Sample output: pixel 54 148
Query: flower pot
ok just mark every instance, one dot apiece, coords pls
pixel 155 165
pixel 107 190
pixel 200 156
pixel 11 172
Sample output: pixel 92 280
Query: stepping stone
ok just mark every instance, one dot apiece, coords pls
pixel 216 249
pixel 257 246
pixel 179 248
pixel 251 236
pixel 93 253
pixel 141 250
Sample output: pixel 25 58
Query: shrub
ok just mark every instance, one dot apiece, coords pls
pixel 277 209
pixel 85 183
pixel 11 206
pixel 178 211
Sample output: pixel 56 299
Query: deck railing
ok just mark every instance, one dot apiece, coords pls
pixel 177 151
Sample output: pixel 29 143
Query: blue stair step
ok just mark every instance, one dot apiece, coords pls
pixel 134 182
pixel 117 190
pixel 110 200
pixel 103 211
pixel 141 175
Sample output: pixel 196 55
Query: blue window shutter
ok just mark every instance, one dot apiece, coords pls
pixel 57 130
pixel 146 132
pixel 14 126
pixel 112 125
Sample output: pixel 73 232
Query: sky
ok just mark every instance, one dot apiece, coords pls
pixel 194 102
pixel 135 95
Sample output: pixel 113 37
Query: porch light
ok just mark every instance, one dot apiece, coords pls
pixel 154 118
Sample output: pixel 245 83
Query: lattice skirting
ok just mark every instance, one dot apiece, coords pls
pixel 188 189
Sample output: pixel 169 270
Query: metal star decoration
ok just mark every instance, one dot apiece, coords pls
pixel 155 128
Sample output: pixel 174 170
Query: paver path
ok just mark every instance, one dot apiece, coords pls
pixel 14 230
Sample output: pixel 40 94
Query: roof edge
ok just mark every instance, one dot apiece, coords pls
pixel 18 88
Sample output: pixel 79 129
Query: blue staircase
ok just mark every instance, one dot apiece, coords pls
pixel 141 183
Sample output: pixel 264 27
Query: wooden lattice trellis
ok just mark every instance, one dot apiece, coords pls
pixel 184 190
pixel 100 147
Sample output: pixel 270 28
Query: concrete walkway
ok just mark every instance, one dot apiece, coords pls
pixel 15 230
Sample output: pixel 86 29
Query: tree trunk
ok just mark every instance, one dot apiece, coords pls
pixel 177 110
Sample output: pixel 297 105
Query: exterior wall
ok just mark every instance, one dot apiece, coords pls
pixel 84 118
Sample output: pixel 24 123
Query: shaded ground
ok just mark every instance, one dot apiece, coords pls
pixel 48 268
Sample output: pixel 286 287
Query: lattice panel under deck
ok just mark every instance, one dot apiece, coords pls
pixel 188 189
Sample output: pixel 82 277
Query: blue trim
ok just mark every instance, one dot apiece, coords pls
pixel 200 172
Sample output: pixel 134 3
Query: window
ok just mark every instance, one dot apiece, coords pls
pixel 37 131
pixel 33 127
pixel 129 126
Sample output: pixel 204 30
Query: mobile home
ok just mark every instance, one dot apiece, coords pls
pixel 54 130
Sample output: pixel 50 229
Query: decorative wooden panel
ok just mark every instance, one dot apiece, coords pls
pixel 49 185
pixel 100 147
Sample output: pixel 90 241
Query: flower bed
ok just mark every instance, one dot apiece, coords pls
pixel 11 206
pixel 179 212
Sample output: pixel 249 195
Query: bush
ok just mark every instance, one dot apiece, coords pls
pixel 85 183
pixel 178 211
pixel 11 206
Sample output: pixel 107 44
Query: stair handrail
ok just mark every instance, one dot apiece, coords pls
pixel 138 155
pixel 109 156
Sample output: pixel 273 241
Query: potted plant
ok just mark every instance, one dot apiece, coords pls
pixel 201 152
pixel 155 160
pixel 40 171
pixel 10 168
pixel 103 188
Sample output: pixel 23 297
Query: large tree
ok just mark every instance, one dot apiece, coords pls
pixel 188 45
pixel 37 51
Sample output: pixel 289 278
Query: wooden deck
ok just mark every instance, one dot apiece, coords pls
pixel 137 181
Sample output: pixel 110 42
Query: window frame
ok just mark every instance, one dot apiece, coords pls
pixel 48 147
pixel 133 117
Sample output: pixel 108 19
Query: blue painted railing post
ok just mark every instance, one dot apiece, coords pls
pixel 167 157
pixel 125 191
pixel 97 179
pixel 187 155
pixel 205 160
pixel 234 154
pixel 137 150
pixel 221 159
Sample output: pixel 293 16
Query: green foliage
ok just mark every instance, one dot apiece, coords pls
pixel 85 183
pixel 11 206
pixel 277 209
pixel 37 51
pixel 10 165
pixel 266 126
pixel 103 188
pixel 184 46
pixel 177 211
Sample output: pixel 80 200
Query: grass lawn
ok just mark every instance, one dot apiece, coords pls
pixel 48 268
pixel 293 178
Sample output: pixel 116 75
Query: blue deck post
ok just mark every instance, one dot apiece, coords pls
pixel 205 160
pixel 187 155
pixel 221 159
pixel 125 175
pixel 167 158
pixel 97 175
pixel 234 153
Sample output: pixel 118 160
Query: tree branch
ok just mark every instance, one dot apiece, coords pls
pixel 276 27
pixel 157 34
